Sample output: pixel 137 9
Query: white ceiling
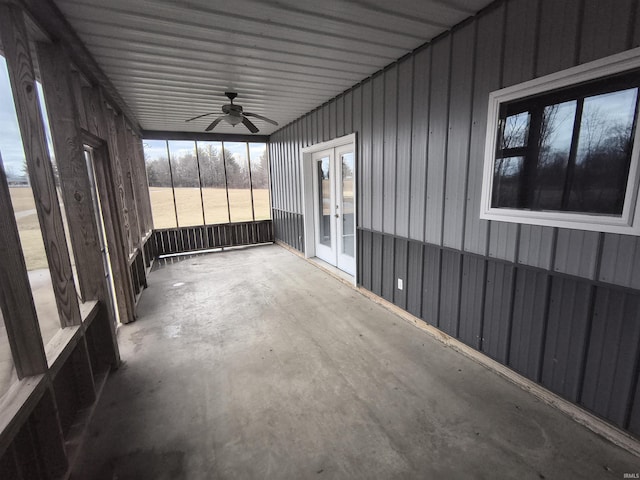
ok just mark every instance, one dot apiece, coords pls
pixel 173 59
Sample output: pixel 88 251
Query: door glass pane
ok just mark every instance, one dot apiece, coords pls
pixel 604 153
pixel 260 180
pixel 348 225
pixel 156 160
pixel 324 197
pixel 214 184
pixel 235 155
pixel 186 182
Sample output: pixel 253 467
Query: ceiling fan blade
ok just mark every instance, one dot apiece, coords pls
pixel 200 116
pixel 268 120
pixel 213 124
pixel 247 123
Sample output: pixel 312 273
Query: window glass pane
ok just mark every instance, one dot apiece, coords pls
pixel 24 208
pixel 159 178
pixel 516 130
pixel 7 369
pixel 214 192
pixel 238 181
pixel 186 183
pixel 604 153
pixel 507 179
pixel 556 131
pixel 260 180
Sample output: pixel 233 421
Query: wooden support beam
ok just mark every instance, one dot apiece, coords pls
pixel 117 248
pixel 76 89
pixel 140 183
pixel 128 179
pixel 115 163
pixel 144 184
pixel 57 83
pixel 21 74
pixel 93 108
pixel 16 302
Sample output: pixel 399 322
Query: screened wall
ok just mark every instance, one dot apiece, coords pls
pixel 203 183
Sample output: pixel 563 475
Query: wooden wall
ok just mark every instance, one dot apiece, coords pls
pixel 538 299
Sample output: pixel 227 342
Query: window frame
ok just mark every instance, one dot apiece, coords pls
pixel 629 221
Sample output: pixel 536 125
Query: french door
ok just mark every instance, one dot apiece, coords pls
pixel 334 206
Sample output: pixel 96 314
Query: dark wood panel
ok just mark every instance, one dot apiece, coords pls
pixel 529 322
pixel 431 285
pixel 400 272
pixel 16 48
pixel 414 278
pixel 450 292
pixel 611 368
pixel 472 300
pixel 496 327
pixel 388 265
pixel 566 337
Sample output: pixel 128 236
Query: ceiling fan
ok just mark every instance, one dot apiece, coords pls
pixel 234 115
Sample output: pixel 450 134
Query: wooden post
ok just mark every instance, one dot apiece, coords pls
pixel 16 301
pixel 21 74
pixel 115 240
pixel 128 179
pixel 56 80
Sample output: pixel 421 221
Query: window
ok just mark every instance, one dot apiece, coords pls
pixel 562 150
pixel 200 182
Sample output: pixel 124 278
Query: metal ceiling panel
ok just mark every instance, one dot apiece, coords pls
pixel 171 60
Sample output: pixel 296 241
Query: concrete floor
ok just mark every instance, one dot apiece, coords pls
pixel 256 364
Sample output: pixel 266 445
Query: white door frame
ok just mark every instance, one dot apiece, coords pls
pixel 307 192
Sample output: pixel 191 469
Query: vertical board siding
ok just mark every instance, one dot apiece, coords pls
pixel 486 79
pixel 403 158
pixel 333 119
pixel 431 284
pixel 503 238
pixel 366 152
pixel 413 284
pixel 496 328
pixel 528 323
pixel 620 262
pixel 367 252
pixel 421 128
pixel 400 272
pixel 567 327
pixel 472 300
pixel 606 29
pixel 389 150
pixel 536 246
pixel 576 253
pixel 376 264
pixel 438 127
pixel 388 264
pixel 377 158
pixel 340 130
pixel 459 134
pixel 450 292
pixel 419 137
pixel 611 368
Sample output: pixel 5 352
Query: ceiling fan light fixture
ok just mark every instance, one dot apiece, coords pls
pixel 233 119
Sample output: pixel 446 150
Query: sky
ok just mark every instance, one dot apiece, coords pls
pixel 10 139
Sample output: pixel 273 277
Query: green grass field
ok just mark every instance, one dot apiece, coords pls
pixel 188 205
